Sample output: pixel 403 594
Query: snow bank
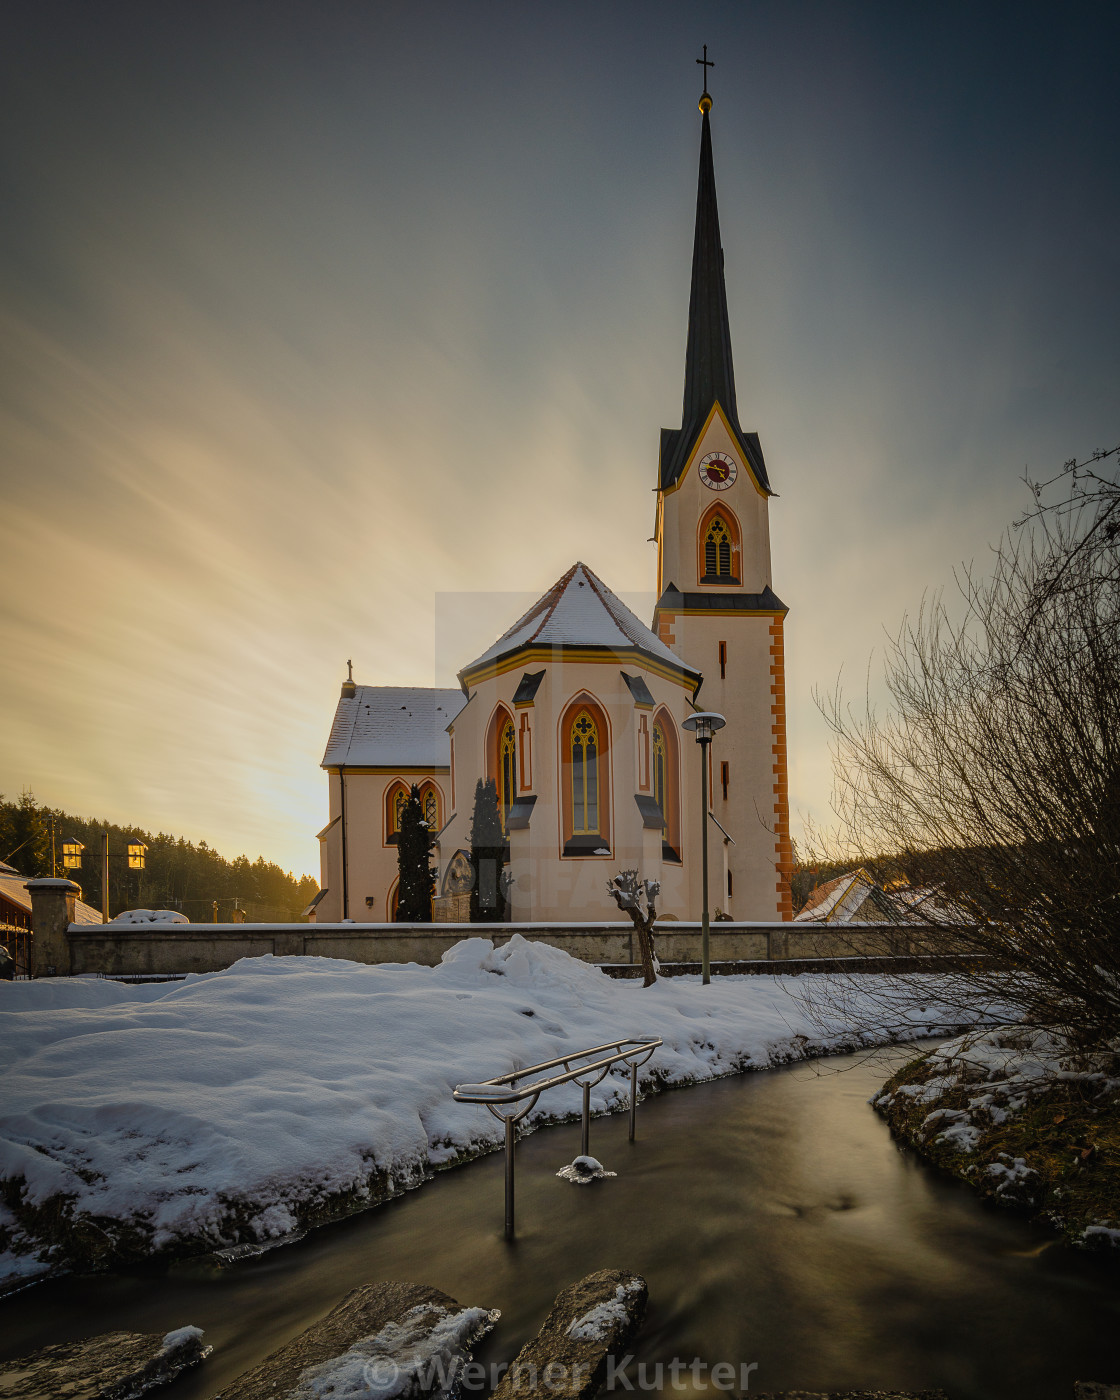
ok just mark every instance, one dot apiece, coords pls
pixel 978 1101
pixel 236 1107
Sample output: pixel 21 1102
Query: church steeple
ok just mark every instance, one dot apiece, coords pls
pixel 709 373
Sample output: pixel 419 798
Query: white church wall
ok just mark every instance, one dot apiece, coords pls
pixel 548 883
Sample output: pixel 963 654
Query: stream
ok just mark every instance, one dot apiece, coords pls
pixel 772 1215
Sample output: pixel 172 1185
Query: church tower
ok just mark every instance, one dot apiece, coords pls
pixel 716 607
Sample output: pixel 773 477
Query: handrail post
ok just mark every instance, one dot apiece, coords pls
pixel 633 1097
pixel 585 1148
pixel 511 1136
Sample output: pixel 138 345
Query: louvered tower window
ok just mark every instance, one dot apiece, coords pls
pixel 717 550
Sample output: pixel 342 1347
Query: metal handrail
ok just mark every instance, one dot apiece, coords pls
pixel 492 1093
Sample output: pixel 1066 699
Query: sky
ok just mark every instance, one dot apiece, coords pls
pixel 330 330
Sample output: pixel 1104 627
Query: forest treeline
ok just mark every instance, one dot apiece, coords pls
pixel 178 873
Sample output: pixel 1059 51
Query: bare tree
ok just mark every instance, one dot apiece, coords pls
pixel 638 899
pixel 993 776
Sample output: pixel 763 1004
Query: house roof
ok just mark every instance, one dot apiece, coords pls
pixel 13 888
pixel 839 900
pixel 393 726
pixel 579 610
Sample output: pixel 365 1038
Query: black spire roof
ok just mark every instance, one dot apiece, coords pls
pixel 709 375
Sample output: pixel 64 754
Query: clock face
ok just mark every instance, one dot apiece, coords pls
pixel 718 471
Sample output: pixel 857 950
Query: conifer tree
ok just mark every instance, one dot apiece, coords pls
pixel 416 883
pixel 488 842
pixel 24 836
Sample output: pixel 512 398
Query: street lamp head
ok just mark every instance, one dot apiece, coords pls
pixel 704 724
pixel 136 853
pixel 72 853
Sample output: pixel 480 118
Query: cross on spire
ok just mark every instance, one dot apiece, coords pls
pixel 705 63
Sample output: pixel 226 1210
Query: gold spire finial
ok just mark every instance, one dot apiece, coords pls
pixel 705 96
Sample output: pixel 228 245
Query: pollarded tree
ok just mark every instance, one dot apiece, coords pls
pixel 416 879
pixel 488 845
pixel 638 898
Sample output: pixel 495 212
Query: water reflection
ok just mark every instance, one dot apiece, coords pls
pixel 773 1217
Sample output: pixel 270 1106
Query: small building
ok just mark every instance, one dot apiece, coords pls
pixel 850 898
pixel 384 740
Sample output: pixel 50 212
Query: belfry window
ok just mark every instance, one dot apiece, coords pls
pixel 717 550
pixel 719 547
pixel 585 774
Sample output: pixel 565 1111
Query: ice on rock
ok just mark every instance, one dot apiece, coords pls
pixel 584 1169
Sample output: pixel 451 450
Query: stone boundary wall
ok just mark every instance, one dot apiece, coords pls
pixel 117 949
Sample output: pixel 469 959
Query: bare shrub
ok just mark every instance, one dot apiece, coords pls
pixel 993 775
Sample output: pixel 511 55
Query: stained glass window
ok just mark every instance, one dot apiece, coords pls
pixel 507 780
pixel 660 764
pixel 585 775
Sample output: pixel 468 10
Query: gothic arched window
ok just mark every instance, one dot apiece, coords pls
pixel 666 783
pixel 501 760
pixel 396 800
pixel 719 547
pixel 660 762
pixel 584 739
pixel 429 803
pixel 507 770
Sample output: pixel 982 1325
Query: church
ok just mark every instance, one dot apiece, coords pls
pixel 576 711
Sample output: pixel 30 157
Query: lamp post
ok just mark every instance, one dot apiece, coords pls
pixel 704 724
pixel 134 852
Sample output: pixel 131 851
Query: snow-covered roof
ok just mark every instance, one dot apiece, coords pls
pixel 13 887
pixel 393 726
pixel 838 900
pixel 579 610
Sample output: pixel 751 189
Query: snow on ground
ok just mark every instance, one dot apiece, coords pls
pixel 231 1107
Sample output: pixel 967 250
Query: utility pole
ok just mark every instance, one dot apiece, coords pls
pixel 104 877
